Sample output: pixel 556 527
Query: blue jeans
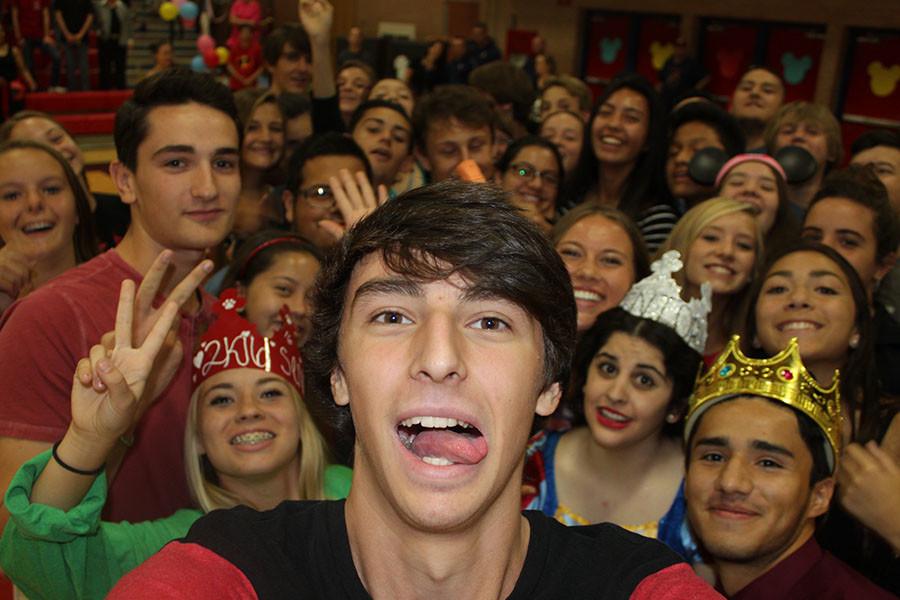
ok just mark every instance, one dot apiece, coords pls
pixel 77 60
pixel 48 50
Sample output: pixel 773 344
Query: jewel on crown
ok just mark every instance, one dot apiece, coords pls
pixel 782 378
pixel 658 298
pixel 233 342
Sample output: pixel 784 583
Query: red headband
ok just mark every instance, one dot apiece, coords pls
pixel 232 342
pixel 263 246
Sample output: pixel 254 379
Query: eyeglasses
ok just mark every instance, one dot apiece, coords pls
pixel 529 172
pixel 319 196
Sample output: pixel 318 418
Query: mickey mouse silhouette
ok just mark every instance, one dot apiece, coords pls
pixel 882 80
pixel 795 67
pixel 660 53
pixel 609 48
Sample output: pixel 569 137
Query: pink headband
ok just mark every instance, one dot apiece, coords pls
pixel 742 158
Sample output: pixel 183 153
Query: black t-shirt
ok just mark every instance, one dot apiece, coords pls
pixel 74 13
pixel 301 549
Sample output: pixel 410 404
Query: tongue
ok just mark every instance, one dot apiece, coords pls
pixel 456 447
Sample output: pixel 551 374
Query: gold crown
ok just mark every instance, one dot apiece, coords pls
pixel 782 377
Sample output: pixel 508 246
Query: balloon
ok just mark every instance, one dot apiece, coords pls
pixel 198 64
pixel 178 3
pixel 168 11
pixel 211 59
pixel 205 43
pixel 189 10
pixel 223 54
pixel 189 23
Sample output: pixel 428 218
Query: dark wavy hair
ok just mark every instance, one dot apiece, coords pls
pixel 859 380
pixel 681 361
pixel 644 185
pixel 429 234
pixel 861 186
pixel 172 87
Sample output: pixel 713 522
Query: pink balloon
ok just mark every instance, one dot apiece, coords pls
pixel 178 3
pixel 205 43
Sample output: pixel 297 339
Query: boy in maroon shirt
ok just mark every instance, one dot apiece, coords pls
pixel 177 144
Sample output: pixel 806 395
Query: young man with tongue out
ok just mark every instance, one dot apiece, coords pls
pixel 444 323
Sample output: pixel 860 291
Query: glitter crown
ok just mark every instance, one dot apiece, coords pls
pixel 782 378
pixel 233 342
pixel 658 298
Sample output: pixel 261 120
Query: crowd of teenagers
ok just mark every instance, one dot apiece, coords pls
pixel 471 335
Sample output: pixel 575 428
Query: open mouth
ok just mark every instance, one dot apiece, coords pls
pixel 588 295
pixel 251 438
pixel 38 227
pixel 442 442
pixel 611 140
pixel 720 270
pixel 752 201
pixel 612 419
pixel 795 326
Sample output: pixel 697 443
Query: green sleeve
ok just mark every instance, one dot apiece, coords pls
pixel 51 553
pixel 337 481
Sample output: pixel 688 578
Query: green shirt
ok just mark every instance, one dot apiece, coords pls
pixel 51 553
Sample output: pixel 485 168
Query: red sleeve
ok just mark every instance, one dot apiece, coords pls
pixel 39 339
pixel 677 582
pixel 184 571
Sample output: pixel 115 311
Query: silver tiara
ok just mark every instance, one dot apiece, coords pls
pixel 658 298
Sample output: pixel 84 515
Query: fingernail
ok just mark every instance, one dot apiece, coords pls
pixel 208 266
pixel 104 365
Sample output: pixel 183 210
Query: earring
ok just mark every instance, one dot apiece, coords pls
pixel 671 418
pixel 756 343
pixel 854 341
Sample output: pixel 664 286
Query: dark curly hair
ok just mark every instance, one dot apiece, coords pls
pixel 681 361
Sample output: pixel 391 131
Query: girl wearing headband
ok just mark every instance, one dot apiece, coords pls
pixel 272 269
pixel 760 181
pixel 249 440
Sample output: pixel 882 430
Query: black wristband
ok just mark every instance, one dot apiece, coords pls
pixel 71 469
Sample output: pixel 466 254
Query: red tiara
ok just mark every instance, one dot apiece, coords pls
pixel 233 342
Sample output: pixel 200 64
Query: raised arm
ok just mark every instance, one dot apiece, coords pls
pixel 106 392
pixel 316 16
pixel 115 385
